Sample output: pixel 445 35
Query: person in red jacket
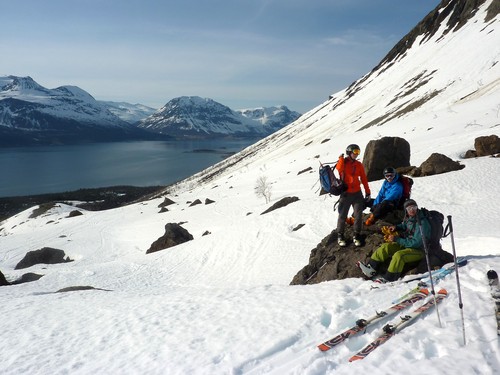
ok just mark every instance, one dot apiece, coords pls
pixel 353 174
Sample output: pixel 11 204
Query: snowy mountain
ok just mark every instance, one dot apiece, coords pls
pixel 221 303
pixel 130 113
pixel 68 102
pixel 31 113
pixel 274 118
pixel 195 117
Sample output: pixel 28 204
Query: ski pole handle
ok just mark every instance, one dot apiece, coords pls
pixel 450 224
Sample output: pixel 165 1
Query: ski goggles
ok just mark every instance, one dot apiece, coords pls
pixel 356 151
pixel 411 209
pixel 389 176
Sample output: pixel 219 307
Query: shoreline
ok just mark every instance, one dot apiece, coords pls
pixel 92 199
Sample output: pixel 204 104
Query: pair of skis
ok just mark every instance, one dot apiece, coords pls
pixel 362 324
pixel 390 329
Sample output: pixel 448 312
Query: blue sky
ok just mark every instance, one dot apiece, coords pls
pixel 241 53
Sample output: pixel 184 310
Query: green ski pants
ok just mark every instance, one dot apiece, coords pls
pixel 398 255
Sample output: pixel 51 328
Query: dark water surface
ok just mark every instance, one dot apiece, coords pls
pixel 52 169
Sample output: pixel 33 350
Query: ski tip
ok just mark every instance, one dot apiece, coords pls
pixel 355 358
pixel 462 261
pixel 443 292
pixel 323 347
pixel 424 291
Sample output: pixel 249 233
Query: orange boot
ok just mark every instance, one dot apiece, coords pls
pixel 370 220
pixel 349 221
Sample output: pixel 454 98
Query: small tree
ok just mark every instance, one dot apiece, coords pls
pixel 263 188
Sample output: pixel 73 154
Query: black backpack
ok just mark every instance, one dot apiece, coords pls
pixel 437 256
pixel 330 183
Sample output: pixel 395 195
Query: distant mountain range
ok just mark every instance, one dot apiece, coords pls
pixel 195 117
pixel 31 114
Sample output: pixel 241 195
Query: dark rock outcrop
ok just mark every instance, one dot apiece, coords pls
pixel 27 278
pixel 174 235
pixel 281 203
pixel 329 261
pixel 435 164
pixel 166 202
pixel 75 213
pixel 484 146
pixel 297 227
pixel 46 255
pixel 195 203
pixel 3 280
pixel 308 169
pixel 385 152
pixel 439 163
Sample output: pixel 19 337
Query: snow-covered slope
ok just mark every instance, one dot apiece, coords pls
pixel 221 303
pixel 131 113
pixel 192 116
pixel 433 79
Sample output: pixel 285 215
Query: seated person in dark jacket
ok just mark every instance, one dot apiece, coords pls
pixel 405 245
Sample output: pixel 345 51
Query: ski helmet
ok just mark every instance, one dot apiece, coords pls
pixel 389 170
pixel 408 203
pixel 352 148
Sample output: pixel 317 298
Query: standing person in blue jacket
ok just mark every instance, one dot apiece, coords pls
pixel 406 245
pixel 388 197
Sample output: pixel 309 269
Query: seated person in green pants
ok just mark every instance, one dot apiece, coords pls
pixel 405 246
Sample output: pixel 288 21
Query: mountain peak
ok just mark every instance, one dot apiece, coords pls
pixel 19 85
pixel 193 116
pixel 33 114
pixel 454 14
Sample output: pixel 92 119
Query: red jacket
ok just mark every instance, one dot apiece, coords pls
pixel 352 171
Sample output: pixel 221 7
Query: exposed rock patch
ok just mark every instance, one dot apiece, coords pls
pixel 281 203
pixel 484 146
pixel 174 235
pixel 385 152
pixel 46 255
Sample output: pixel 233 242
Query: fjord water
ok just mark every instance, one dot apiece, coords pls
pixel 54 169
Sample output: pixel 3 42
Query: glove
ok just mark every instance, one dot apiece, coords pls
pixel 389 233
pixel 386 229
pixel 390 237
pixel 368 198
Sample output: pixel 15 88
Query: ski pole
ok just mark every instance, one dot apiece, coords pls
pixel 460 304
pixel 427 259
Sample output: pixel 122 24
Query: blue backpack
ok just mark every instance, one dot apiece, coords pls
pixel 330 183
